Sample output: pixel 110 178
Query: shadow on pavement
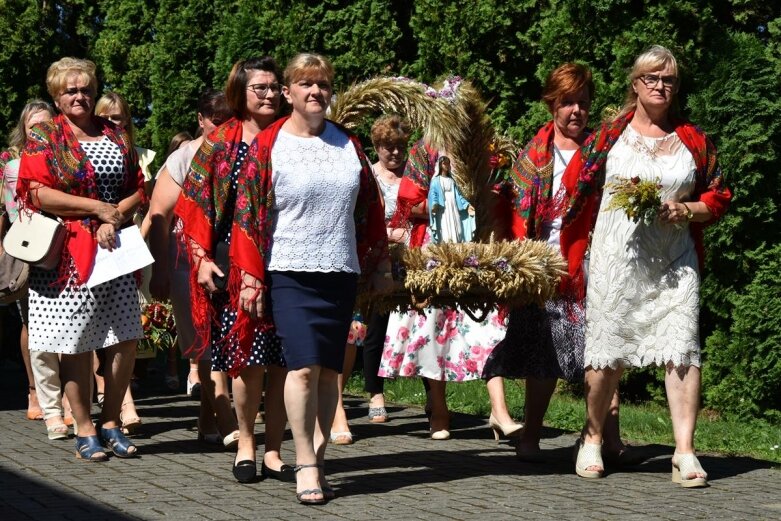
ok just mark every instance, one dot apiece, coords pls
pixel 25 497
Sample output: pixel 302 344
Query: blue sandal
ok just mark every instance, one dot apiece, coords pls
pixel 118 443
pixel 89 448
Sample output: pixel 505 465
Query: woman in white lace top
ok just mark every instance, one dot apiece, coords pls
pixel 644 276
pixel 324 228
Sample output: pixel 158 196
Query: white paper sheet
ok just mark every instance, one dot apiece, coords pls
pixel 131 254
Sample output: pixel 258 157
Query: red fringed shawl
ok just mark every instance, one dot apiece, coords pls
pixel 531 186
pixel 413 190
pixel 584 185
pixel 202 200
pixel 54 158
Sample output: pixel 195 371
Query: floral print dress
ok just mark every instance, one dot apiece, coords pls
pixel 440 344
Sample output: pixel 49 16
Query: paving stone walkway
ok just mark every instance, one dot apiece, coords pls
pixel 393 471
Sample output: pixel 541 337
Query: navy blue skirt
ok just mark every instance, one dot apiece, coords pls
pixel 312 313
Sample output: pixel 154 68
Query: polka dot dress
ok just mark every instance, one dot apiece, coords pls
pixel 76 319
pixel 266 346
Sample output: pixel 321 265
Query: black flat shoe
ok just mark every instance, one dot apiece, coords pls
pixel 245 471
pixel 285 473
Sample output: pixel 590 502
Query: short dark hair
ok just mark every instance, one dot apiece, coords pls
pixel 213 105
pixel 236 86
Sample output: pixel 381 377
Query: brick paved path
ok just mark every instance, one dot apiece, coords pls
pixel 393 471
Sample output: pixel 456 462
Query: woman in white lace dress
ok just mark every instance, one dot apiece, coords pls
pixel 644 276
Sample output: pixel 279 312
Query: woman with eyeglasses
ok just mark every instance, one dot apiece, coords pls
pixel 211 209
pixel 84 170
pixel 644 275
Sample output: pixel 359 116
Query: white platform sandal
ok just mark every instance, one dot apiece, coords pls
pixel 685 465
pixel 589 455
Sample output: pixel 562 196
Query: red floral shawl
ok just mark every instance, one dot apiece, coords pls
pixel 201 208
pixel 531 186
pixel 584 185
pixel 53 157
pixel 251 228
pixel 413 190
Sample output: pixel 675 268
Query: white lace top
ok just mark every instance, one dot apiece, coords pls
pixel 315 183
pixel 643 282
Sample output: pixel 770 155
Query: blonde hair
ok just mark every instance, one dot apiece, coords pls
pixel 655 58
pixel 112 100
pixel 18 136
pixel 308 65
pixel 59 71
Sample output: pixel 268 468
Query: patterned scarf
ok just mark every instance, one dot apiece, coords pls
pixel 531 185
pixel 53 158
pixel 584 192
pixel 201 209
pixel 251 226
pixel 413 190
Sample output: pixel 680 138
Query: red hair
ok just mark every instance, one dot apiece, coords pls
pixel 566 79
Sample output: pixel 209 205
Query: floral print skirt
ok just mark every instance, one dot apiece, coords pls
pixel 440 344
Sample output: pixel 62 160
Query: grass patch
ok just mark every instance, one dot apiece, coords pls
pixel 640 423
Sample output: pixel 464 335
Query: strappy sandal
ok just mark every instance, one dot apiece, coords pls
pixel 130 424
pixel 685 465
pixel 310 491
pixel 33 413
pixel 378 414
pixel 89 448
pixel 58 431
pixel 341 438
pixel 589 455
pixel 118 443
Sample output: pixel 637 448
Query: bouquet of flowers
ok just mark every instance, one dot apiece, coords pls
pixel 640 200
pixel 157 319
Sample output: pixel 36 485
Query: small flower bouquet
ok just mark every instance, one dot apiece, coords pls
pixel 157 319
pixel 640 200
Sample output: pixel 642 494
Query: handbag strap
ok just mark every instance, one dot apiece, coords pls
pixel 3 211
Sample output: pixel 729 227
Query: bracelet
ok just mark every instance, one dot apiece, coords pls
pixel 689 213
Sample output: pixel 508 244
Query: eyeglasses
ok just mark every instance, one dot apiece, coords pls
pixel 652 80
pixel 84 91
pixel 261 89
